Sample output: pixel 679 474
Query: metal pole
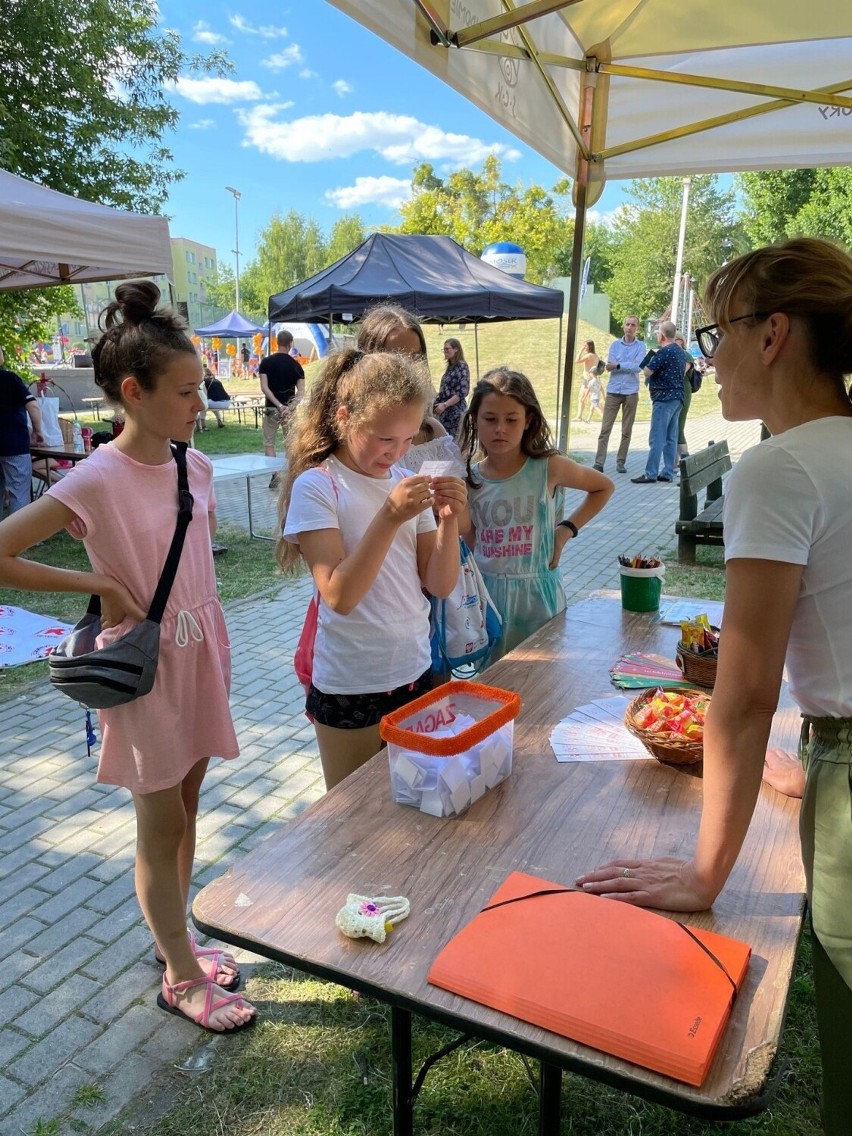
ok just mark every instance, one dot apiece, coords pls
pixel 476 347
pixel 688 333
pixel 580 191
pixel 687 182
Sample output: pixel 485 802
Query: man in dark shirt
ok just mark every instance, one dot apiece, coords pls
pixel 282 381
pixel 16 467
pixel 664 375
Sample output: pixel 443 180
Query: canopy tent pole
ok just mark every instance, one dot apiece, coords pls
pixel 476 347
pixel 558 364
pixel 580 188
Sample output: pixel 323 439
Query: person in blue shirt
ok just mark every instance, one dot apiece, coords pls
pixel 622 393
pixel 664 375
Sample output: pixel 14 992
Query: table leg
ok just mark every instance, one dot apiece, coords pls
pixel 252 533
pixel 403 1112
pixel 550 1099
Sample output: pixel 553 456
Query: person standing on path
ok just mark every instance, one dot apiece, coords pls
pixel 122 502
pixel 282 381
pixel 16 467
pixel 689 387
pixel 622 393
pixel 664 375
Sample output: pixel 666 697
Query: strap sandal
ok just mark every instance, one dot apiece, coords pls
pixel 232 984
pixel 166 1000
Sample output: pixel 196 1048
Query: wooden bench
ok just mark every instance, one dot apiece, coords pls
pixel 703 470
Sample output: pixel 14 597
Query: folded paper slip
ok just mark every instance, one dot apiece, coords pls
pixel 609 975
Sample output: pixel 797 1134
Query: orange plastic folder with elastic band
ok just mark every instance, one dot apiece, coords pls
pixel 607 974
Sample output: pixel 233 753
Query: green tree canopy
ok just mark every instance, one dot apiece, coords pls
pixel 643 248
pixel 478 208
pixel 84 109
pixel 790 203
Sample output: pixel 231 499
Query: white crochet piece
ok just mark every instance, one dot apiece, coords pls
pixel 371 917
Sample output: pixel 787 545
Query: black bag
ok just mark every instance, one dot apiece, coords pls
pixel 695 378
pixel 124 671
pixel 600 366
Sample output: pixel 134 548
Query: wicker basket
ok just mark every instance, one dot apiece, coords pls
pixel 700 669
pixel 674 751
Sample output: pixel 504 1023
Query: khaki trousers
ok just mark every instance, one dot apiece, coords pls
pixel 627 404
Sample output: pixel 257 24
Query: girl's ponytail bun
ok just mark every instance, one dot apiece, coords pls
pixel 135 301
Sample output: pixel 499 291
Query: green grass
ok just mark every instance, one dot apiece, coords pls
pixel 318 1064
pixel 244 570
pixel 705 579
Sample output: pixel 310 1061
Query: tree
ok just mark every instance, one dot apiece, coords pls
pixel 644 241
pixel 772 200
pixel 347 233
pixel 83 110
pixel 30 316
pixel 790 203
pixel 83 96
pixel 478 208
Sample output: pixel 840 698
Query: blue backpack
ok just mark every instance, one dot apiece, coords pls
pixel 466 625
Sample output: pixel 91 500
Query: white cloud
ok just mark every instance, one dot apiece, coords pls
pixel 342 87
pixel 209 89
pixel 202 124
pixel 265 31
pixel 400 139
pixel 370 191
pixel 306 73
pixel 202 33
pixel 282 59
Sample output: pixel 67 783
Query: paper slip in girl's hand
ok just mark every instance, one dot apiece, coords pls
pixel 437 469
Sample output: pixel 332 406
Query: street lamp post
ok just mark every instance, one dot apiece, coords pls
pixel 236 251
pixel 687 182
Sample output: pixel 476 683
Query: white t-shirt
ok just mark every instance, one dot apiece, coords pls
pixel 790 499
pixel 384 641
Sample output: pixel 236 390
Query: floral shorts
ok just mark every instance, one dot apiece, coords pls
pixel 357 711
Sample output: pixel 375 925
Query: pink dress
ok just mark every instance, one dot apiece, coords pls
pixel 127 513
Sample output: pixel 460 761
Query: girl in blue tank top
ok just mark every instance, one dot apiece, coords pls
pixel 515 495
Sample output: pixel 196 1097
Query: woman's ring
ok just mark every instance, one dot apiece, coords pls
pixel 626 873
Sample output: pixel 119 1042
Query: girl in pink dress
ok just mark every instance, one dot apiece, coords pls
pixel 122 503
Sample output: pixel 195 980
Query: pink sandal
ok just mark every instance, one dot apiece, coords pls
pixel 214 953
pixel 166 1001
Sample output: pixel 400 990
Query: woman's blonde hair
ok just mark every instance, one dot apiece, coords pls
pixel 382 321
pixel 805 277
pixel 367 386
pixel 536 441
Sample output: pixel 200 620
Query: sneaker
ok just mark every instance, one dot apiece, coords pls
pixel 643 480
pixel 274 481
pixel 621 468
pixel 599 468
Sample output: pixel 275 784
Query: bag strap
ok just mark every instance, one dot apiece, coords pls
pixel 185 502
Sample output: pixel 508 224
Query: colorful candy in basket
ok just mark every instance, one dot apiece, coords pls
pixel 671 714
pixel 698 636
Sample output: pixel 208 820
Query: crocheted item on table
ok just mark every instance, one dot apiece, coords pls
pixel 371 917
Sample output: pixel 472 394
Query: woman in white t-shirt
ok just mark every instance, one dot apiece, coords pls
pixel 366 529
pixel 782 345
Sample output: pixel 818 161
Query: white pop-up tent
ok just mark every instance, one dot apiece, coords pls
pixel 49 238
pixel 640 88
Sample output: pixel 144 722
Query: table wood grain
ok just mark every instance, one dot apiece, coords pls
pixel 549 819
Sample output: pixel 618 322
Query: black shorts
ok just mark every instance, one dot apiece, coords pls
pixel 357 711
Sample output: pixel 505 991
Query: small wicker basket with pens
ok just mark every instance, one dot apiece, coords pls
pixel 698 651
pixel 670 723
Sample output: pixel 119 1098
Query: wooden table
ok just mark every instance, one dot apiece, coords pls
pixel 55 453
pixel 551 820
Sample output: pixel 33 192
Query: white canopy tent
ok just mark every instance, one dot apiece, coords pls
pixel 49 238
pixel 640 88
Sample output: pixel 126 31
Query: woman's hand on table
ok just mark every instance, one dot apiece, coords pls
pixel 667 883
pixel 784 772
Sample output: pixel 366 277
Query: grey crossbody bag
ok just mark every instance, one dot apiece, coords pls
pixel 125 670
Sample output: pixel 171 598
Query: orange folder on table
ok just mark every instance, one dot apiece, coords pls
pixel 615 977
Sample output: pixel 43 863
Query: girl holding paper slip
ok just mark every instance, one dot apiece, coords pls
pixel 781 346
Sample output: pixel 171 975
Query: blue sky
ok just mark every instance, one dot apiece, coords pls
pixel 320 116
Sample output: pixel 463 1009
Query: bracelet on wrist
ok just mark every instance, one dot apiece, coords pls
pixel 569 525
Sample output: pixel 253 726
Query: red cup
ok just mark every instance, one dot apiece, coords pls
pixel 87 439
